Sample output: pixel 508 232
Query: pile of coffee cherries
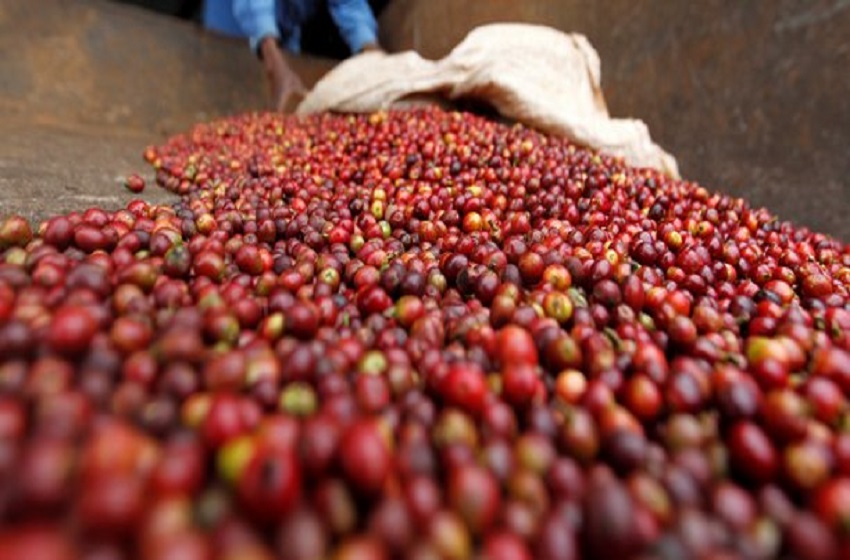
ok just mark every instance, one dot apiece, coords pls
pixel 420 335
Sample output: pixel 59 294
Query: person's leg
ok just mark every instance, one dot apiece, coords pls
pixel 320 36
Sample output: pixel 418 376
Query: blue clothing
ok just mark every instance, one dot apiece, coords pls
pixel 282 19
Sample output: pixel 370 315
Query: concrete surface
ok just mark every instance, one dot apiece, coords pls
pixel 46 169
pixel 752 97
pixel 86 85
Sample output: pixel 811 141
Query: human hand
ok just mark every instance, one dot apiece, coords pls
pixel 286 86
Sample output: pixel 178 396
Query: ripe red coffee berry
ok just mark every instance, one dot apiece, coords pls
pixel 751 452
pixel 465 386
pixel 134 183
pixel 831 503
pixel 71 330
pixel 475 494
pixel 364 456
pixel 270 484
pixel 515 345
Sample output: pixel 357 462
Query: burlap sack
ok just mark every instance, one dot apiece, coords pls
pixel 531 74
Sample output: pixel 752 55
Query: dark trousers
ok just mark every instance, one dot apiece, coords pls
pixel 320 37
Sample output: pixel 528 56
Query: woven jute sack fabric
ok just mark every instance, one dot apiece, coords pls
pixel 530 74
